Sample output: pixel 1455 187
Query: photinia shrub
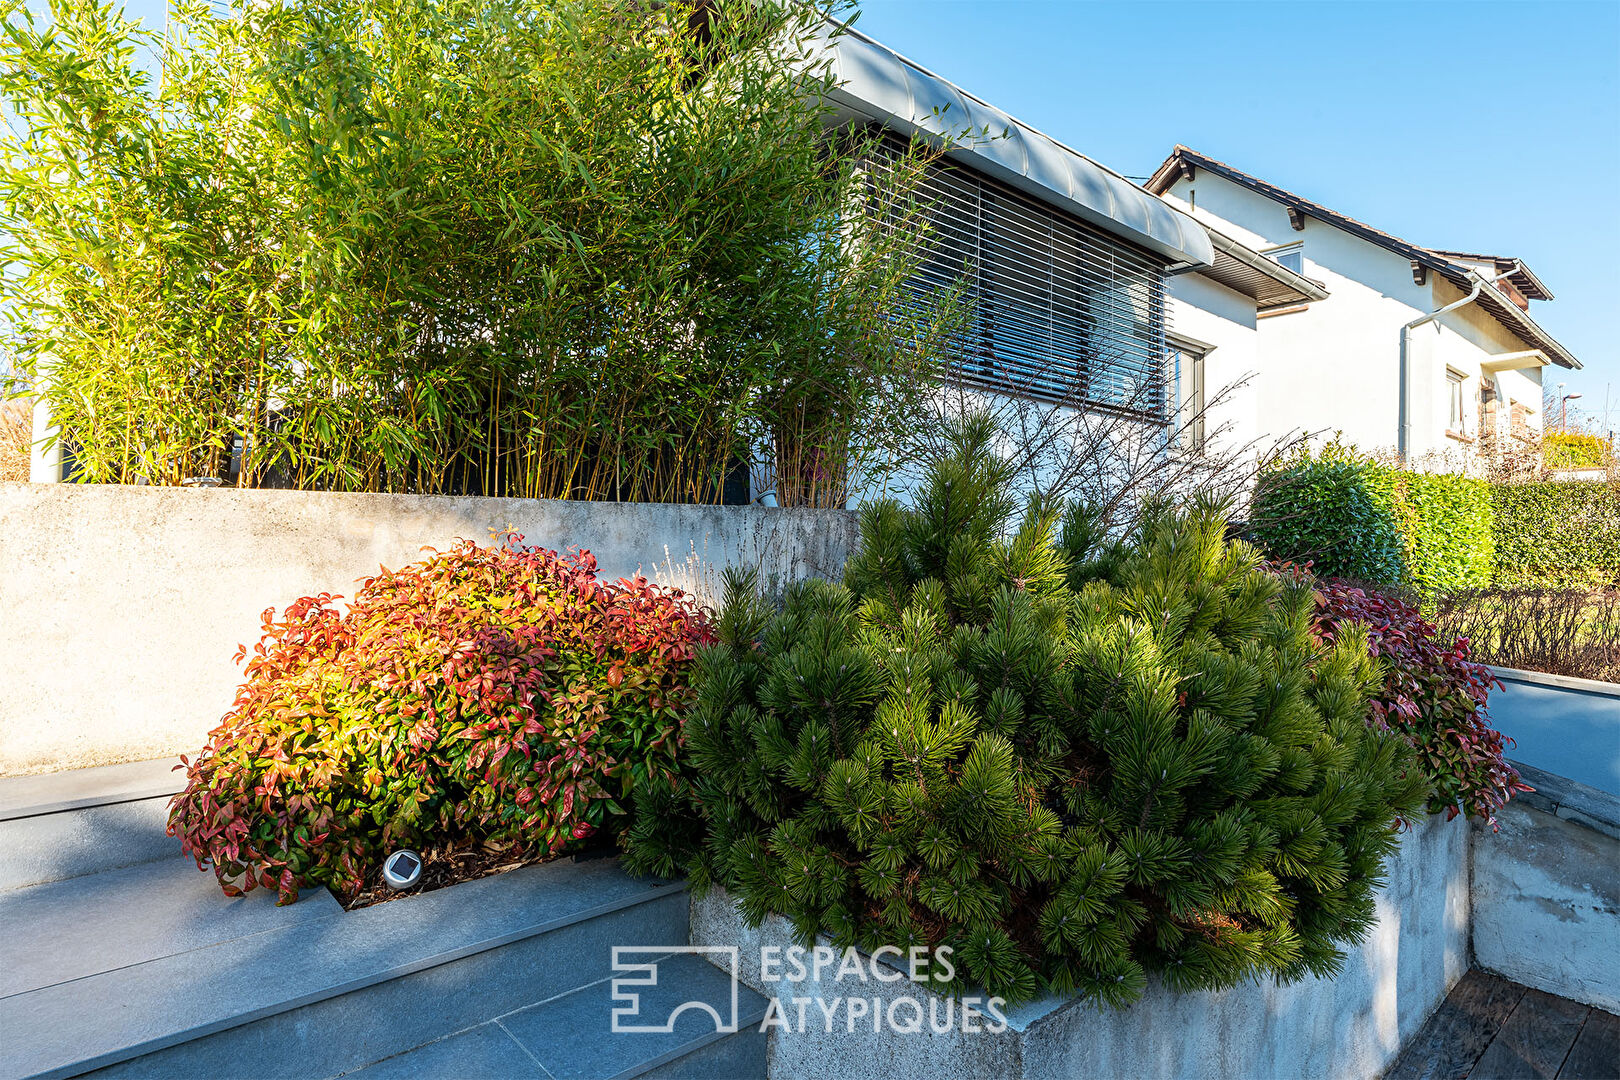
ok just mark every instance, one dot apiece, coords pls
pixel 501 694
pixel 1433 693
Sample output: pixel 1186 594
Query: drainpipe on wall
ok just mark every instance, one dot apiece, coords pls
pixel 1405 443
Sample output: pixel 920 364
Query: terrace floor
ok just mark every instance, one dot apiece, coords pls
pixel 1491 1029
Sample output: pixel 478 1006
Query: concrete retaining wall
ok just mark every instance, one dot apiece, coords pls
pixel 1565 726
pixel 1350 1027
pixel 1546 891
pixel 120 607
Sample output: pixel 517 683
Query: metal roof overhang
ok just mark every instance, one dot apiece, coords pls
pixel 1246 271
pixel 873 82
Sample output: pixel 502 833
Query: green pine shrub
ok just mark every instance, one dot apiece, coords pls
pixel 496 695
pixel 1556 534
pixel 1072 760
pixel 1351 516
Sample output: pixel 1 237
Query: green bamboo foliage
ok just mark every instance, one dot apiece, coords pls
pixel 550 248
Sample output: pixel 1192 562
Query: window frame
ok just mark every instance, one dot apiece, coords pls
pixel 1193 435
pixel 1456 402
pixel 1275 254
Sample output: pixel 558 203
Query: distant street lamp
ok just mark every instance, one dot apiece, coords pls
pixel 1563 409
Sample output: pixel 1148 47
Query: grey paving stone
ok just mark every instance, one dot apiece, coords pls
pixel 120 1014
pixel 573 1038
pixel 371 1023
pixel 735 1057
pixel 485 1053
pixel 47 793
pixel 54 847
pixel 67 930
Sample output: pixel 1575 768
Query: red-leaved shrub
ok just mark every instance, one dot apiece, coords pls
pixel 1434 693
pixel 501 694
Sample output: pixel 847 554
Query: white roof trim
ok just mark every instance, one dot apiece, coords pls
pixel 878 83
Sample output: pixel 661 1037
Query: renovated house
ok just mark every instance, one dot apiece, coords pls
pixel 1433 354
pixel 1090 294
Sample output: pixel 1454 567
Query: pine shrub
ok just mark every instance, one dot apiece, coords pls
pixel 500 694
pixel 1072 760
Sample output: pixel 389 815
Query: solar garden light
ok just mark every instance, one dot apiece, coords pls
pixel 402 869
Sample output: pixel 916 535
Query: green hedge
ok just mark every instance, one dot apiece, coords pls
pixel 1448 533
pixel 1575 450
pixel 1353 517
pixel 1558 534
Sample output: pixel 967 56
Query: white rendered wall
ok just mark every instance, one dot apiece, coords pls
pixel 1208 314
pixel 1334 365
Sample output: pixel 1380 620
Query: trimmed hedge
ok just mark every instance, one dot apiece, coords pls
pixel 1351 516
pixel 1448 532
pixel 1575 450
pixel 1556 533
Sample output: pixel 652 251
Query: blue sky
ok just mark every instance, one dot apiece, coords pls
pixel 1466 126
pixel 1479 126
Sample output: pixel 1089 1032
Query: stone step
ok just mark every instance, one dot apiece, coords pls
pixel 572 1037
pixel 311 994
pixel 65 825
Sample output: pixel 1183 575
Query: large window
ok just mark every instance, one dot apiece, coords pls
pixel 1062 311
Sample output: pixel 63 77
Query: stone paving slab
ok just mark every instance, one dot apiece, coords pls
pixel 118 1014
pixel 573 1038
pixel 486 1052
pixel 51 793
pixel 66 930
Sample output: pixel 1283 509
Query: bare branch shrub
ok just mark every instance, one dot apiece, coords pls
pixel 1572 632
pixel 1118 457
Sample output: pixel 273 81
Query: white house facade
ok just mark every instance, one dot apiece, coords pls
pixel 1431 354
pixel 1090 294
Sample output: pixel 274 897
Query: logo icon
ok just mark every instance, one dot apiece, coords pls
pixel 640 965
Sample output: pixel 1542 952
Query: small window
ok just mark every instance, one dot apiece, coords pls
pixel 1291 257
pixel 1186 376
pixel 1455 384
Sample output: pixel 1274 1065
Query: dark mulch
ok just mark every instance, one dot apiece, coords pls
pixel 452 863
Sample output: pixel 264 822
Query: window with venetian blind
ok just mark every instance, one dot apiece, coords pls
pixel 1062 311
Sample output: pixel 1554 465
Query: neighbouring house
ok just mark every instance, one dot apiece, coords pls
pixel 1430 353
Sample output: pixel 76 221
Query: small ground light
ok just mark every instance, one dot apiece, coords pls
pixel 402 869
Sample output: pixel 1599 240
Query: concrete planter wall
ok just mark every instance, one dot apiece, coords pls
pixel 1546 891
pixel 1568 727
pixel 120 607
pixel 1350 1027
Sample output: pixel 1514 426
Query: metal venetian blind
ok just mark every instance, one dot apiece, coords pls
pixel 1062 311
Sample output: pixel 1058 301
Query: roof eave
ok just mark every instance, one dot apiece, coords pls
pixel 874 81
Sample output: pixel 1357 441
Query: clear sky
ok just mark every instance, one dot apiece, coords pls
pixel 1477 126
pixel 1490 127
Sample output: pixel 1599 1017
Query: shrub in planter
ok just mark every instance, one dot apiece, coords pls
pixel 501 694
pixel 1355 517
pixel 1433 693
pixel 1069 760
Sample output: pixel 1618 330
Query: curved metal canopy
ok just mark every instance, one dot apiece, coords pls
pixel 874 81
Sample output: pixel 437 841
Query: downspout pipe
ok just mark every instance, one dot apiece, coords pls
pixel 1405 444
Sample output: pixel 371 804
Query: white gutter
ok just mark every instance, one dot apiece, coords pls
pixel 1405 443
